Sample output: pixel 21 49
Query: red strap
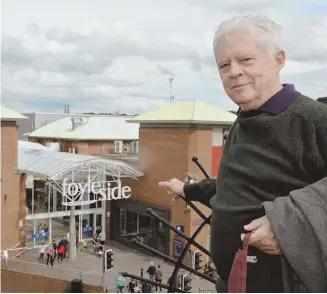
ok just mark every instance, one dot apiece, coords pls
pixel 237 278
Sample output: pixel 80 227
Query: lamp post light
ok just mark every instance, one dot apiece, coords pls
pixel 171 89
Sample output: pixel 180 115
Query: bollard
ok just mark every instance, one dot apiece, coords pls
pixel 141 272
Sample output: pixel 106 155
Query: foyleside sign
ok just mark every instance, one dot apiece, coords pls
pixel 105 192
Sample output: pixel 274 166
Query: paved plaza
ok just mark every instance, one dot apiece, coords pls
pixel 89 267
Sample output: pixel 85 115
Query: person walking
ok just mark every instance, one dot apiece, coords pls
pixel 61 250
pixel 42 250
pixel 95 242
pixel 120 282
pixel 50 255
pixel 151 271
pixel 158 276
pixel 65 243
pixel 54 244
pixel 102 237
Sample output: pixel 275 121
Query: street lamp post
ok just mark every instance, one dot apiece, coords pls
pixel 171 89
pixel 72 234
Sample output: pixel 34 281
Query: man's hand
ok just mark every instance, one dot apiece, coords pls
pixel 262 236
pixel 174 186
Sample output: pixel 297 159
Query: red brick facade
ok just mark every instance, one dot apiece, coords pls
pixel 165 153
pixel 12 189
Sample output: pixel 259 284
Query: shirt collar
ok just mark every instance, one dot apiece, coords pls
pixel 279 101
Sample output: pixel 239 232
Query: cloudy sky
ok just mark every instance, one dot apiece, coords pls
pixel 118 55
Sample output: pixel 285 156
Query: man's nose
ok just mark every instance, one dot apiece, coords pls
pixel 235 70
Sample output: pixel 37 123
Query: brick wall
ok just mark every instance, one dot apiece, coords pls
pixel 162 155
pixel 29 283
pixel 10 186
pixel 165 153
pixel 200 144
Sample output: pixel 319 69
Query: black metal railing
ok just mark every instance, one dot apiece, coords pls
pixel 173 284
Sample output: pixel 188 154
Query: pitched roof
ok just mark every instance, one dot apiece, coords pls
pixel 52 164
pixel 8 114
pixel 32 145
pixel 187 111
pixel 89 128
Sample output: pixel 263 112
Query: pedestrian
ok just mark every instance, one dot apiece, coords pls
pixel 151 271
pixel 50 255
pixel 272 176
pixel 158 276
pixel 42 251
pixel 61 250
pixel 146 288
pixel 131 286
pixel 120 284
pixel 94 241
pixel 102 237
pixel 5 257
pixel 54 245
pixel 66 245
pixel 84 245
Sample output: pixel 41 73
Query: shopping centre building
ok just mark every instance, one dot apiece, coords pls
pixel 168 138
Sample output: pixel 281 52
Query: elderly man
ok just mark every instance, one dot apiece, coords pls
pixel 272 175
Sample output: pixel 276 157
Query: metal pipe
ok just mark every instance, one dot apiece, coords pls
pixel 195 208
pixel 182 265
pixel 196 161
pixel 158 217
pixel 151 282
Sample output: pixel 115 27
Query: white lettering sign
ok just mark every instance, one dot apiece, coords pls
pixel 102 189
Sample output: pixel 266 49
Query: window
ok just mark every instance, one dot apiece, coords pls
pixel 131 223
pixel 134 225
pixel 122 222
pixel 145 225
pixel 160 244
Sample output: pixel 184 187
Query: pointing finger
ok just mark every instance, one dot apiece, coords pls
pixel 164 184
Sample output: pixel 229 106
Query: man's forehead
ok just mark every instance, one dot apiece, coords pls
pixel 236 44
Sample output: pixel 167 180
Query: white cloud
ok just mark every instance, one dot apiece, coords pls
pixel 109 55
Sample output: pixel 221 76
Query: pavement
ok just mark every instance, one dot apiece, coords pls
pixel 89 267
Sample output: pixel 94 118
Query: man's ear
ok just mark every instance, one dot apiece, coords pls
pixel 280 60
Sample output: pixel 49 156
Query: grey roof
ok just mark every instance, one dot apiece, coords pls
pixel 49 164
pixel 90 128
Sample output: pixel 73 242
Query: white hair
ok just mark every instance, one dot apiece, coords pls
pixel 262 28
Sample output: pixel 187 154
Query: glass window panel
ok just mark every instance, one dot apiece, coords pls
pixel 145 232
pixel 122 222
pixel 131 223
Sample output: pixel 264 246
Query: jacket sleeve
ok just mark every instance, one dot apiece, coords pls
pixel 201 192
pixel 299 223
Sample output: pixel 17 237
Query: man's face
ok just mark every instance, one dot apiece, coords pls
pixel 248 73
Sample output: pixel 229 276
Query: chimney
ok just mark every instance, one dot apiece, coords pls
pixel 66 109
